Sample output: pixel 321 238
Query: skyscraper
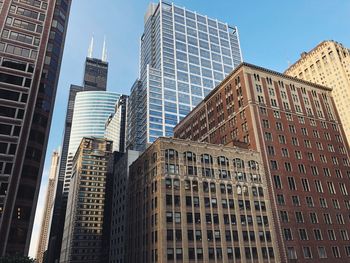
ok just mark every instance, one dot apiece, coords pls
pixel 82 236
pixel 31 47
pixel 48 207
pixel 328 64
pixel 183 56
pixel 294 124
pixel 95 78
pixel 91 110
pixel 116 125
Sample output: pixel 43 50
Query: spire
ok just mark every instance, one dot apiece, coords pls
pixel 91 47
pixel 104 51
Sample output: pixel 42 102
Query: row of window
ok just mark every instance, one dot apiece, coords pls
pixel 321 251
pixel 216 253
pixel 175 217
pixel 306 186
pixel 212 187
pixel 212 202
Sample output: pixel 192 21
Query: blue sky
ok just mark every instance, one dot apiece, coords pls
pixel 272 33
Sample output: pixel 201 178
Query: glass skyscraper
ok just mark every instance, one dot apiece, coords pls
pixel 183 56
pixel 91 111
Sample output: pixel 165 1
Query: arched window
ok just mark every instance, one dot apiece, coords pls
pixel 253 165
pixel 238 163
pixel 222 160
pixel 190 163
pixel 171 161
pixel 206 158
pixel 171 154
pixel 207 165
pixel 189 156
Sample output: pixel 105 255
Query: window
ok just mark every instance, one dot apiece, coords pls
pixel 291 183
pixel 322 252
pixel 335 251
pixel 303 234
pixel 307 252
pixel 284 216
pixel 291 253
pixel 288 234
pixel 299 217
pixel 277 181
pixel 318 234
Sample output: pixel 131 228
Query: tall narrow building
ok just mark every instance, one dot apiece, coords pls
pixel 183 56
pixel 116 125
pixel 328 64
pixel 48 207
pixel 31 48
pixel 82 236
pixel 94 79
pixel 294 124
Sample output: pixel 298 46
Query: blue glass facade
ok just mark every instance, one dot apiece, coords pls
pixel 184 55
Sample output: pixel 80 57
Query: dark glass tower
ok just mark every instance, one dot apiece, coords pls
pixel 31 48
pixel 95 75
pixel 95 78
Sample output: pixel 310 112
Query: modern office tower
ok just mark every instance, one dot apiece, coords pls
pixel 82 236
pixel 115 220
pixel 134 114
pixel 31 48
pixel 116 125
pixel 91 82
pixel 91 110
pixel 328 64
pixel 295 126
pixel 183 56
pixel 48 207
pixel 95 74
pixel 194 202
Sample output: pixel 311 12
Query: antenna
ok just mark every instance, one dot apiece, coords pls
pixel 91 48
pixel 104 51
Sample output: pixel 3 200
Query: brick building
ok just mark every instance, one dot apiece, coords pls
pixel 295 125
pixel 198 202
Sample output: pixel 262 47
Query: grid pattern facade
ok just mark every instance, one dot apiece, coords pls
pixel 328 64
pixel 31 47
pixel 118 173
pixel 197 202
pixel 82 236
pixel 183 56
pixel 295 125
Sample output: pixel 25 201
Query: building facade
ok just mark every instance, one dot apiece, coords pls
pixel 48 207
pixel 198 202
pixel 183 56
pixel 116 125
pixel 90 82
pixel 115 214
pixel 31 48
pixel 328 64
pixel 82 236
pixel 295 126
pixel 91 110
pixel 95 74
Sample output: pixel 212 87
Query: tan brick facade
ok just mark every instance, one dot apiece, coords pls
pixel 197 202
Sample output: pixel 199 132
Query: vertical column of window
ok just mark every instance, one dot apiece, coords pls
pixel 206 73
pixel 235 47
